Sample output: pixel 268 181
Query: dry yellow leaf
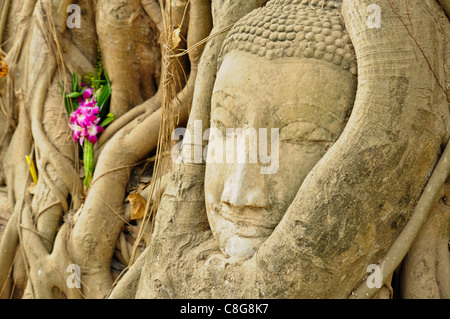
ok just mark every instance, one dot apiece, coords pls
pixel 137 206
pixel 3 67
pixel 33 171
pixel 176 37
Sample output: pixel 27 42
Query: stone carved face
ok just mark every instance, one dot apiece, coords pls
pixel 308 100
pixel 289 66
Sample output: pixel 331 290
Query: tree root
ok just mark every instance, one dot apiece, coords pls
pixel 402 244
pixel 148 107
pixel 4 17
pixel 97 218
pixel 57 174
pixel 446 5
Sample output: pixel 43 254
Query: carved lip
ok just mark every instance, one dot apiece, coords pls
pixel 244 227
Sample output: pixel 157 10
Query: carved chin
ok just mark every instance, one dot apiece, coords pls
pixel 243 247
pixel 236 239
pixel 235 236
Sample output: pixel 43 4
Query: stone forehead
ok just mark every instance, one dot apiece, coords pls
pixel 294 28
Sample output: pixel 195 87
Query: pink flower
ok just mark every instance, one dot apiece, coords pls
pixel 85 116
pixel 77 132
pixel 92 133
pixel 84 120
pixel 87 93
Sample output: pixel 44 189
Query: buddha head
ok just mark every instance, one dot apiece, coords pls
pixel 288 70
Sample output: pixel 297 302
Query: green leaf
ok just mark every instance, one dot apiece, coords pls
pixel 74 95
pixel 66 104
pixel 109 118
pixel 88 161
pixel 103 97
pixel 71 105
pixel 75 82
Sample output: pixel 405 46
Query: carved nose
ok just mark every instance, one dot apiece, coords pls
pixel 244 187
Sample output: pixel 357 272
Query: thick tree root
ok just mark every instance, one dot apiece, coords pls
pixel 402 244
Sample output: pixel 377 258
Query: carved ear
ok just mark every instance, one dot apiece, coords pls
pixel 184 195
pixel 358 198
pixel 230 12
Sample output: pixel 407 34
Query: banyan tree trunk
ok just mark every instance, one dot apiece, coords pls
pixel 366 202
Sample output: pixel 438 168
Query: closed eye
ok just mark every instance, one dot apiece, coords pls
pixel 303 132
pixel 217 124
pixel 222 118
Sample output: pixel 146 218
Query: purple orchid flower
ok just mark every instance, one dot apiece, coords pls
pixel 84 120
pixel 92 133
pixel 87 93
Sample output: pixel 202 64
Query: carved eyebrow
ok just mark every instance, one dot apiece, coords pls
pixel 228 124
pixel 307 134
pixel 225 94
pixel 328 119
